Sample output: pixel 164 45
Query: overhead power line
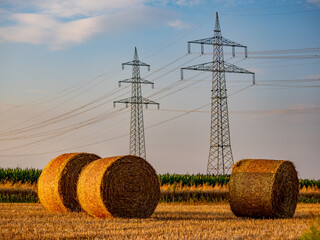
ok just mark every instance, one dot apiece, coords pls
pixel 275 13
pixel 122 135
pixel 274 52
pixel 68 129
pixel 67 115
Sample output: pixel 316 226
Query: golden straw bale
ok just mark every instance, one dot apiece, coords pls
pixel 263 188
pixel 57 184
pixel 124 186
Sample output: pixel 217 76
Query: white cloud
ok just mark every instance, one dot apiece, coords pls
pixel 315 2
pixel 30 28
pixel 72 8
pixel 175 2
pixel 178 24
pixel 58 33
pixel 316 76
pixel 187 2
pixel 59 23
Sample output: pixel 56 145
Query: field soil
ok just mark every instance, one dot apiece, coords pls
pixel 169 221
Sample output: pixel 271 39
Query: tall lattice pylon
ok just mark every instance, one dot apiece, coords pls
pixel 137 138
pixel 220 154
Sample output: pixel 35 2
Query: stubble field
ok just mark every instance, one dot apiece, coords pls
pixel 169 221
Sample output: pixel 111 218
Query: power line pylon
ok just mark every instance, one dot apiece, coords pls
pixel 220 159
pixel 137 138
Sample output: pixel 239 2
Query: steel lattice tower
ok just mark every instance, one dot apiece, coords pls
pixel 220 159
pixel 137 137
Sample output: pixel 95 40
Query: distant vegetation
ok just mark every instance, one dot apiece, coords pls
pixel 18 175
pixel 30 175
pixel 193 180
pixel 19 185
pixel 18 197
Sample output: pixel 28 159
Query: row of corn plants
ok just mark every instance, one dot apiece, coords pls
pixel 193 180
pixel 18 175
pixel 200 179
pixel 309 183
pixel 204 197
pixel 30 175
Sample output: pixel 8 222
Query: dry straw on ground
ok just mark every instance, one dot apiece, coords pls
pixel 125 186
pixel 263 188
pixel 169 221
pixel 57 184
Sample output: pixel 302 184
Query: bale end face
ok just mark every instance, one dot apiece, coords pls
pixel 58 180
pixel 125 187
pixel 263 189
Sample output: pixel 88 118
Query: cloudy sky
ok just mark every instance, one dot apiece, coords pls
pixel 60 63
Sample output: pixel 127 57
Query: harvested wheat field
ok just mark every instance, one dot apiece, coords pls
pixel 169 221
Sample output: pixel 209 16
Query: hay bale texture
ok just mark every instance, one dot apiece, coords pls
pixel 124 186
pixel 57 184
pixel 263 189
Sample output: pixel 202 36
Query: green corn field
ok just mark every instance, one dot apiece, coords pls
pixel 18 175
pixel 31 175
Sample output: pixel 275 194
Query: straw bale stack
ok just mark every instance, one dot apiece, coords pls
pixel 124 186
pixel 57 184
pixel 263 189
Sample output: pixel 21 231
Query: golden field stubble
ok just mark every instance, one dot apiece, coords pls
pixel 169 221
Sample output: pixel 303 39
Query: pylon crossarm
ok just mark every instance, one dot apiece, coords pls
pixel 230 68
pixel 147 102
pixel 199 67
pixel 221 41
pixel 136 100
pixel 129 80
pixel 227 42
pixel 130 100
pixel 214 41
pixel 136 63
pixel 211 67
pixel 138 80
pixel 125 101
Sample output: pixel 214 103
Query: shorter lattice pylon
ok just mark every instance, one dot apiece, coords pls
pixel 137 136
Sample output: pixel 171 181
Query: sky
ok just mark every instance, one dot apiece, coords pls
pixel 60 63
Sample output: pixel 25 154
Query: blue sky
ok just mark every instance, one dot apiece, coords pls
pixel 60 63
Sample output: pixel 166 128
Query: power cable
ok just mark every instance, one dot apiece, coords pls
pixel 83 124
pixel 275 14
pixel 56 119
pixel 49 121
pixel 122 135
pixel 193 110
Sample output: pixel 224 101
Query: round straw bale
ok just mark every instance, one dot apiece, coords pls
pixel 124 186
pixel 263 189
pixel 57 184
